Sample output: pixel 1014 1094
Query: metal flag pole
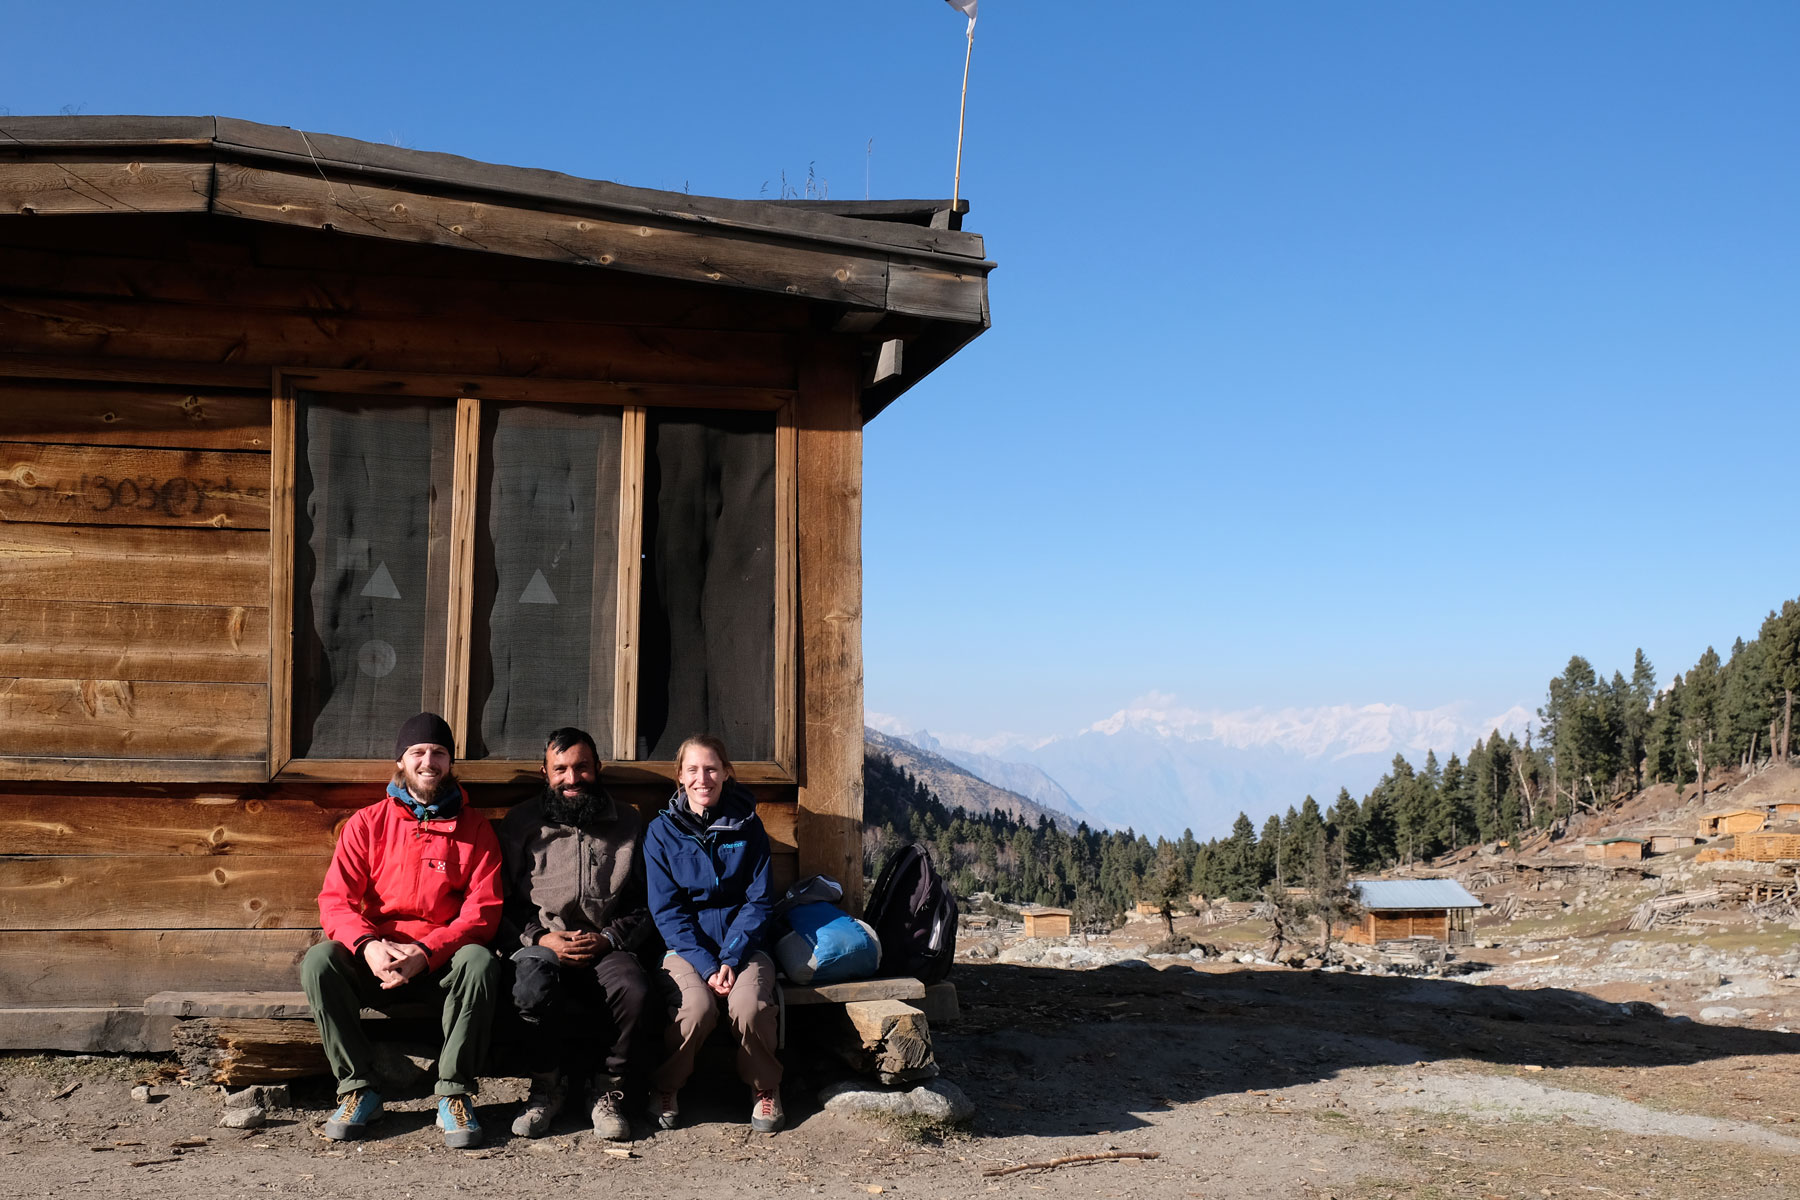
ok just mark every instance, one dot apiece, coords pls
pixel 961 113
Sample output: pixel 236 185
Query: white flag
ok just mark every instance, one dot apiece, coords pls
pixel 965 7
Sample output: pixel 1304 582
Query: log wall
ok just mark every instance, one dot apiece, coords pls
pixel 1390 926
pixel 137 362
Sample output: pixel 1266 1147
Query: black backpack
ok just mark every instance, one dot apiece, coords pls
pixel 914 915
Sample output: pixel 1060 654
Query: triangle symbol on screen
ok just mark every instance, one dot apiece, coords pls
pixel 537 591
pixel 381 584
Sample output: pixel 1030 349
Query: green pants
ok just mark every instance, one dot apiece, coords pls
pixel 339 984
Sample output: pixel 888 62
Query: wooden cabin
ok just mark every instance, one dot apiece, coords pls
pixel 302 435
pixel 1668 843
pixel 1047 922
pixel 1725 821
pixel 1408 908
pixel 1614 849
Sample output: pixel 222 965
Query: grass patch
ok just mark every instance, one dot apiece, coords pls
pixel 917 1130
pixel 90 1068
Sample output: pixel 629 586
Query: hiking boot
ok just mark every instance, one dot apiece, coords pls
pixel 456 1117
pixel 546 1100
pixel 766 1114
pixel 609 1110
pixel 355 1110
pixel 664 1109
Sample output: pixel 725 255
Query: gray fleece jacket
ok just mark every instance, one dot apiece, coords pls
pixel 571 878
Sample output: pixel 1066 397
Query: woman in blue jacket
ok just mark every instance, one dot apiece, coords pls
pixel 707 858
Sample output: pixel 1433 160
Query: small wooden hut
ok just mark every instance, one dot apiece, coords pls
pixel 1741 819
pixel 301 435
pixel 1047 922
pixel 1614 849
pixel 1409 908
pixel 1669 842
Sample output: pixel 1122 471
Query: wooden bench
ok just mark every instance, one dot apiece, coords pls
pixel 246 1037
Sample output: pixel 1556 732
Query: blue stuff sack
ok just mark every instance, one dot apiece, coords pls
pixel 824 944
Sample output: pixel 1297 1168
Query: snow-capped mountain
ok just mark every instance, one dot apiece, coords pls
pixel 1159 767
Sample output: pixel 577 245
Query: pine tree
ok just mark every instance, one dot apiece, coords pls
pixel 1166 885
pixel 1238 870
pixel 1746 702
pixel 1663 754
pixel 1637 715
pixel 1268 852
pixel 1455 814
pixel 1701 721
pixel 1781 636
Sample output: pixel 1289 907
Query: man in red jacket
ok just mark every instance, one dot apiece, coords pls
pixel 410 902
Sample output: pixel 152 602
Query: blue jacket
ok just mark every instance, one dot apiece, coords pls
pixel 709 883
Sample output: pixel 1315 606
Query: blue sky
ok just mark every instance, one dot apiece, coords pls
pixel 1342 353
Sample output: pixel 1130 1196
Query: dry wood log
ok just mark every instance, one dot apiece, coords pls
pixel 1071 1160
pixel 896 1039
pixel 240 1051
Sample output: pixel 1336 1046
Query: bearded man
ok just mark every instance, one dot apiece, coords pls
pixel 576 912
pixel 410 901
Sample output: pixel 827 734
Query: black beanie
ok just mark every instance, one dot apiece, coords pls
pixel 426 727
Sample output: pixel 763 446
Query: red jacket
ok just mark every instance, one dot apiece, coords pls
pixel 436 883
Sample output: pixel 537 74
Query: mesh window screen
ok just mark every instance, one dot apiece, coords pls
pixel 546 577
pixel 707 635
pixel 372 571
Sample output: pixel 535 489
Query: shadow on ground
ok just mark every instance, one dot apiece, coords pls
pixel 1060 1052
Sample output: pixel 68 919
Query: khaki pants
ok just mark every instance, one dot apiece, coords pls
pixel 694 1012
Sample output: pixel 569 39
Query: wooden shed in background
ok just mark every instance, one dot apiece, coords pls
pixel 1409 908
pixel 1725 821
pixel 1047 922
pixel 1614 849
pixel 300 435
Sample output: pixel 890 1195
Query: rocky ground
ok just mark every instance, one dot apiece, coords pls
pixel 1570 1056
pixel 1243 1081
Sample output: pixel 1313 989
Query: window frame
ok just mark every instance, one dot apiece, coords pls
pixel 470 396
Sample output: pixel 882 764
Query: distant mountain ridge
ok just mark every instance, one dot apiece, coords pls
pixel 1018 777
pixel 956 786
pixel 1159 767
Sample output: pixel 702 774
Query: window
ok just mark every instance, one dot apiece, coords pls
pixel 707 634
pixel 518 566
pixel 372 570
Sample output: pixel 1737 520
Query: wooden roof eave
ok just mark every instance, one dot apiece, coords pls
pixel 900 280
pixel 824 222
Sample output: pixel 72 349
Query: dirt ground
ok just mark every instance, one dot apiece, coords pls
pixel 1244 1081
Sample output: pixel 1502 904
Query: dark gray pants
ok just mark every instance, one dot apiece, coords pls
pixel 582 1017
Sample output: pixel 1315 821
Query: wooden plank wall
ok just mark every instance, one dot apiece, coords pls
pixel 134 533
pixel 135 369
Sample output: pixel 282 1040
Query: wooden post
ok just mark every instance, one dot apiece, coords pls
pixel 828 414
pixel 630 582
pixel 462 570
